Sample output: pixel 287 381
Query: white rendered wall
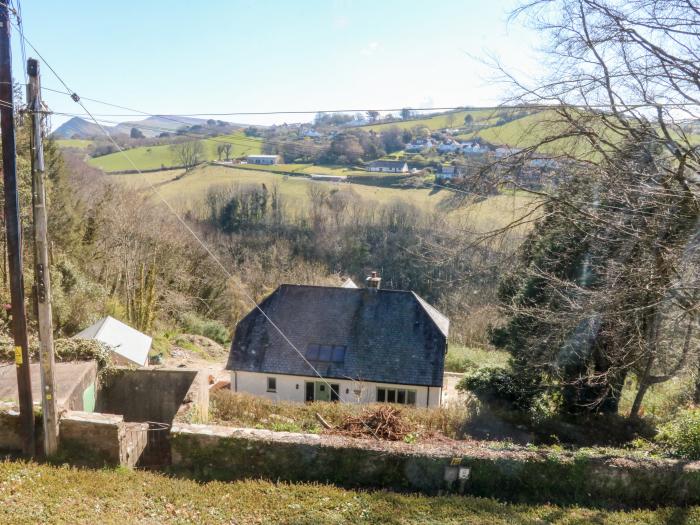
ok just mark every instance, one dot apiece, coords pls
pixel 293 388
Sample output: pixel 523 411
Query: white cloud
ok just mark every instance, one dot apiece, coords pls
pixel 369 49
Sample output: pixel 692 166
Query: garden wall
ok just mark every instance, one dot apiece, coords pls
pixel 101 439
pixel 226 453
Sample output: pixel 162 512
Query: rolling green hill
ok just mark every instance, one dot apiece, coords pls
pixel 453 119
pixel 154 157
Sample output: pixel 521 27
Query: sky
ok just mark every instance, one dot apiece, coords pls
pixel 216 56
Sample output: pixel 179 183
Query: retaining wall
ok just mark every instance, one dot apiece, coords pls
pixel 99 439
pixel 225 453
pixel 148 394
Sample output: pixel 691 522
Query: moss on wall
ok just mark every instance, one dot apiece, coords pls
pixel 589 480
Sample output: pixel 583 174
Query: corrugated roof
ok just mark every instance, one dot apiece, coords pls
pixel 121 338
pixel 390 336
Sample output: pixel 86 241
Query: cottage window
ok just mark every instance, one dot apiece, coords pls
pixel 272 384
pixel 396 395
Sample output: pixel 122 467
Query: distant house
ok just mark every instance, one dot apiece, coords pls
pixel 263 159
pixel 447 172
pixel 129 346
pixel 388 166
pixel 473 148
pixel 311 133
pixel 367 345
pixel 419 145
pixel 448 147
pixel 505 151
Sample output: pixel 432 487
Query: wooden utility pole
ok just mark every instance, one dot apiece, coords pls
pixel 14 234
pixel 41 257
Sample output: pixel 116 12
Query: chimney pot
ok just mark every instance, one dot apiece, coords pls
pixel 373 281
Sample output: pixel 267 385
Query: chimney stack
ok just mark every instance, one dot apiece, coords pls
pixel 373 282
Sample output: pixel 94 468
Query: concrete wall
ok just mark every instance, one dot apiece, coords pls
pixel 517 474
pixel 97 439
pixel 293 388
pixel 153 394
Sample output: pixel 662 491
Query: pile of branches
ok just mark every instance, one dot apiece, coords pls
pixel 384 422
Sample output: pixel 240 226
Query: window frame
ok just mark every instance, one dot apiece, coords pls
pixel 409 396
pixel 271 380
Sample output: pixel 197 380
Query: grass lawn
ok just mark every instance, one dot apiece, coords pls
pixel 189 193
pixel 153 157
pixel 33 493
pixel 461 358
pixel 73 143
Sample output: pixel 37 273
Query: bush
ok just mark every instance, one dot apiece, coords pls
pixel 681 435
pixel 499 385
pixel 212 329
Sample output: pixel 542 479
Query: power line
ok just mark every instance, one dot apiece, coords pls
pixel 502 107
pixel 198 239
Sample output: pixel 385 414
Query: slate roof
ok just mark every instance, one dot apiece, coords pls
pixel 387 164
pixel 389 336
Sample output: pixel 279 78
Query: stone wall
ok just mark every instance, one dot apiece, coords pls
pixel 10 432
pixel 147 394
pixel 101 439
pixel 226 453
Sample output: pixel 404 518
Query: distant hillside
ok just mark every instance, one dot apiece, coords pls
pixel 153 126
pixel 76 128
pixel 161 123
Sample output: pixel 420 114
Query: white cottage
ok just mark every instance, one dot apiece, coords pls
pixel 353 345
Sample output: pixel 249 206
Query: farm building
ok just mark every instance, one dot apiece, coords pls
pixel 129 346
pixel 388 166
pixel 263 159
pixel 367 344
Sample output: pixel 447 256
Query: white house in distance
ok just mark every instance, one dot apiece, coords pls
pixel 353 345
pixel 388 166
pixel 128 345
pixel 263 159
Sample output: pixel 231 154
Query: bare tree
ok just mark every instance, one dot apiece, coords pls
pixel 607 284
pixel 188 154
pixel 227 150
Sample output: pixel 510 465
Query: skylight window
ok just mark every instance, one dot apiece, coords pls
pixel 326 353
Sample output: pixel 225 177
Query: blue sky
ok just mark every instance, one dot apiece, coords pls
pixel 266 55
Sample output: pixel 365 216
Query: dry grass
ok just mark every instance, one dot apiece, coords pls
pixel 245 410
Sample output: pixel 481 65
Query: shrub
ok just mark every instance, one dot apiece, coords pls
pixel 498 385
pixel 681 435
pixel 212 329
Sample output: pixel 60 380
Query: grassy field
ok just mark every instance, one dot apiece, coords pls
pixel 153 157
pixel 34 493
pixel 73 143
pixel 189 193
pixel 461 359
pixel 453 119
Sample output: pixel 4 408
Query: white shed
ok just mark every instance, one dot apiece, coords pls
pixel 128 344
